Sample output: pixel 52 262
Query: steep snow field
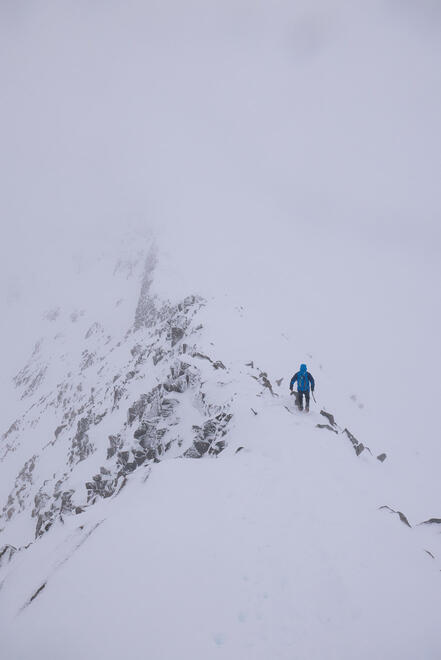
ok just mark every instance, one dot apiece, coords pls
pixel 278 550
pixel 276 546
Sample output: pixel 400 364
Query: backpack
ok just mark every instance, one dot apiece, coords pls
pixel 303 381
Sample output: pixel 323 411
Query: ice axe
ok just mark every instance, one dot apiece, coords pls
pixel 313 396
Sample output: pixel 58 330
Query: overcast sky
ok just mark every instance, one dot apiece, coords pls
pixel 236 129
pixel 241 113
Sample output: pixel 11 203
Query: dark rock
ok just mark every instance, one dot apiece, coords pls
pixel 178 385
pixel 326 426
pixel 202 356
pixel 329 417
pixel 66 501
pixel 157 356
pixel 6 554
pixel 150 435
pixel 12 429
pixel 201 446
pixel 351 437
pixel 400 514
pixel 30 379
pixel 59 429
pixel 359 447
pixel 136 350
pixel 44 523
pixel 432 521
pixel 99 418
pixel 167 407
pixel 263 376
pixel 115 444
pixel 136 411
pixel 81 447
pixel 118 393
pixel 94 329
pixel 192 452
pixel 176 335
pixel 209 430
pixel 217 447
pixel 123 457
pixel 141 431
pixel 404 519
pixel 87 360
pixel 37 593
pixel 140 456
pixel 381 457
pixel 219 365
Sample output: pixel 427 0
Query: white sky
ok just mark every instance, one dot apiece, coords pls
pixel 274 146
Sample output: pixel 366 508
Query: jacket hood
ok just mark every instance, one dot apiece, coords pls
pixel 302 368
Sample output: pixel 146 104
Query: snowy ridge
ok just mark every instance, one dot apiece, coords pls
pixel 105 406
pixel 119 405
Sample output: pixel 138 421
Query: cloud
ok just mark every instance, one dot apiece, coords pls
pixel 213 119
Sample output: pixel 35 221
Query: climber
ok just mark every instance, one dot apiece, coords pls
pixel 304 380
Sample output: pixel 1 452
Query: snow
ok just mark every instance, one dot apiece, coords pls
pixel 277 547
pixel 277 550
pixel 285 156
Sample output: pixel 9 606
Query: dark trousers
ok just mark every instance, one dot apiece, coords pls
pixel 299 399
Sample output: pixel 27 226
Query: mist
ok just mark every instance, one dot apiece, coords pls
pixel 318 114
pixel 289 147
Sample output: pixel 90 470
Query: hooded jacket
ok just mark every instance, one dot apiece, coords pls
pixel 303 379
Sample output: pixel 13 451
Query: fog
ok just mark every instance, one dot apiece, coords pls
pixel 319 114
pixel 270 146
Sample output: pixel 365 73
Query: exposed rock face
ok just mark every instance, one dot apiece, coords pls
pixel 111 423
pixel 209 438
pixel 81 446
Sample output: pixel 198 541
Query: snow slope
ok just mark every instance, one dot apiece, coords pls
pixel 238 529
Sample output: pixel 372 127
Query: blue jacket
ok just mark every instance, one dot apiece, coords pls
pixel 309 380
